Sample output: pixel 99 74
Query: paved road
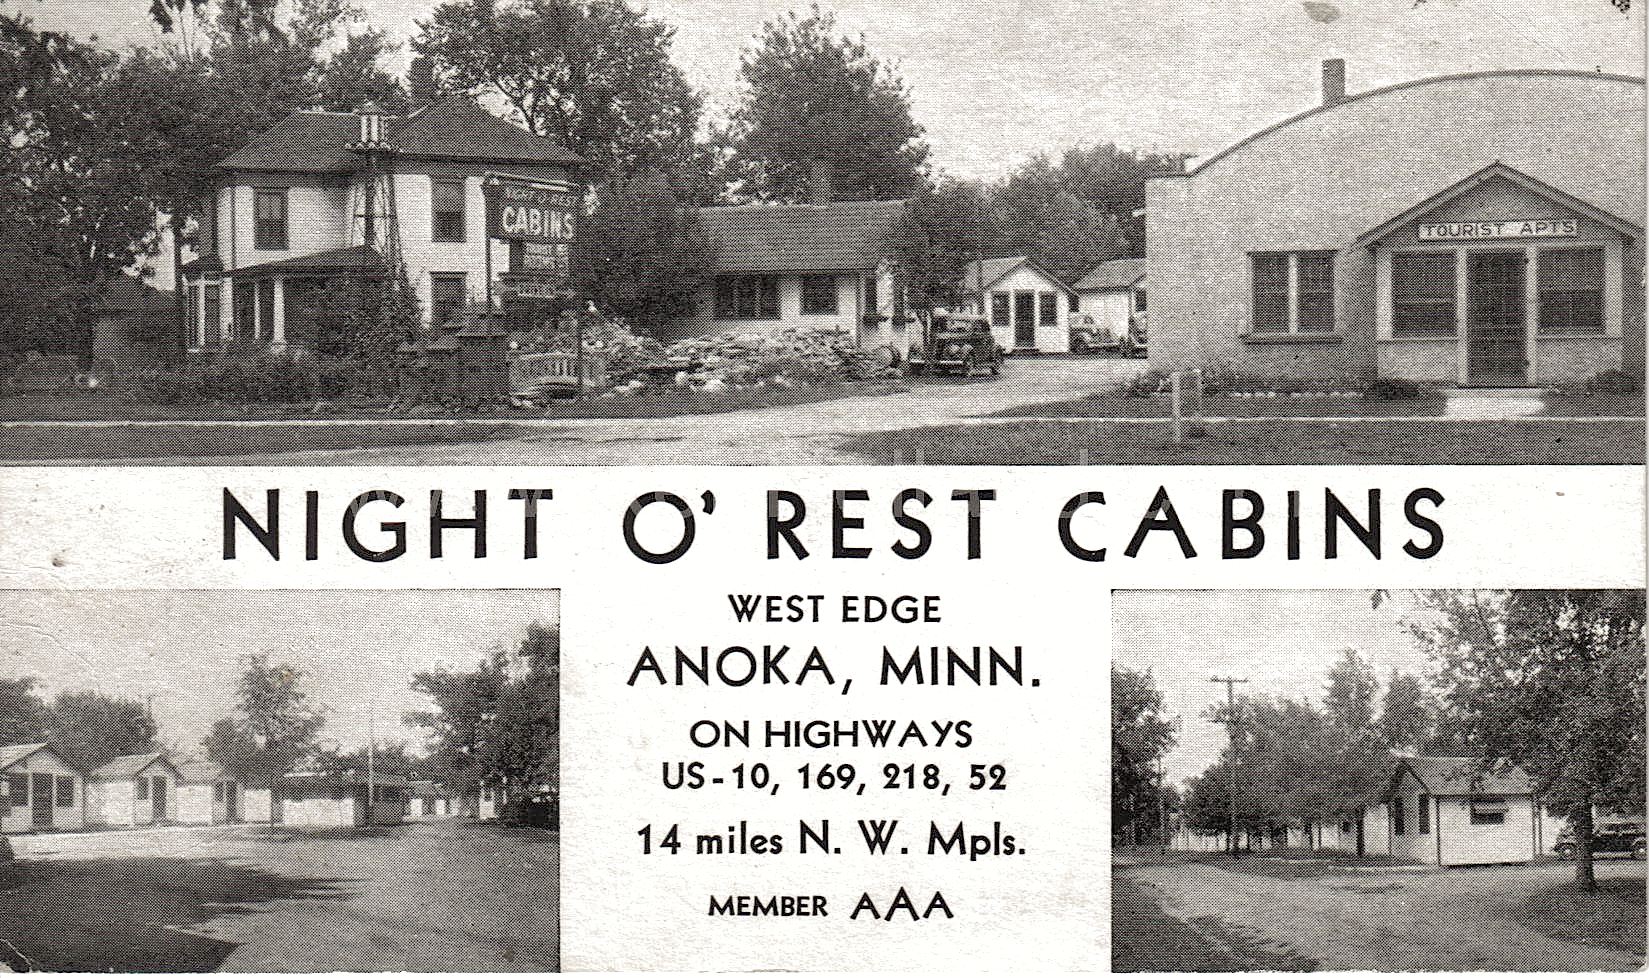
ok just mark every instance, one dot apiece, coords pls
pixel 1389 918
pixel 445 896
pixel 802 434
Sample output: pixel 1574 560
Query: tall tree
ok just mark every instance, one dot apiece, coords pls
pixel 942 229
pixel 24 716
pixel 1141 734
pixel 1407 717
pixel 594 74
pixel 274 725
pixel 1042 217
pixel 1112 180
pixel 1552 681
pixel 641 255
pixel 91 728
pixel 817 103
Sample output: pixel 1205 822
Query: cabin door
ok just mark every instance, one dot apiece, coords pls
pixel 43 801
pixel 1024 320
pixel 1496 340
pixel 1359 835
pixel 157 792
pixel 231 803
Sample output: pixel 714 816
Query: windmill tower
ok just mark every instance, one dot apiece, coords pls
pixel 375 223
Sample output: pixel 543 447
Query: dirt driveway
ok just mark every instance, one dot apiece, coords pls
pixel 801 434
pixel 444 896
pixel 1388 918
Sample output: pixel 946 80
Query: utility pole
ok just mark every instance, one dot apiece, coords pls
pixel 1231 731
pixel 371 761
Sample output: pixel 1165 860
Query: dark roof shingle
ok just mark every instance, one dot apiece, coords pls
pixel 457 128
pixel 842 236
pixel 1466 776
pixel 128 766
pixel 1113 275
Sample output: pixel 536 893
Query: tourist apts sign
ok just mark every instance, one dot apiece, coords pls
pixel 1527 227
pixel 537 220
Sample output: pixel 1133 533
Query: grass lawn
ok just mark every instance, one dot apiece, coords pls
pixel 1387 441
pixel 1611 917
pixel 448 896
pixel 1144 938
pixel 1112 404
pixel 113 406
pixel 210 441
pixel 1294 864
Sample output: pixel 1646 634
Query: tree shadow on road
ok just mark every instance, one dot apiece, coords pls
pixel 133 914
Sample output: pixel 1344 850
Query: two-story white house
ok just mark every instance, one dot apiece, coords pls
pixel 457 198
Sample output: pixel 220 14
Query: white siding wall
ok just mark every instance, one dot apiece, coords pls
pixel 1411 844
pixel 1108 310
pixel 110 803
pixel 194 804
pixel 1465 843
pixel 1049 339
pixel 324 812
pixel 256 805
pixel 846 318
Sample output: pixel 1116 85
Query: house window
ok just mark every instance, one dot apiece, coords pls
pixel 1139 300
pixel 142 789
pixel 747 297
pixel 1047 309
pixel 214 313
pixel 1345 827
pixel 269 219
pixel 1489 811
pixel 1397 820
pixel 818 295
pixel 1422 814
pixel 447 201
pixel 447 293
pixel 1293 292
pixel 1571 290
pixel 1423 293
pixel 217 791
pixel 999 309
pixel 65 791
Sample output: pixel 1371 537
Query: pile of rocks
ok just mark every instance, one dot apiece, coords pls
pixel 785 359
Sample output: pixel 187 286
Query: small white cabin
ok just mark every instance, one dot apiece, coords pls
pixel 1112 294
pixel 431 801
pixel 325 800
pixel 1449 811
pixel 40 790
pixel 207 795
pixel 137 789
pixel 1029 307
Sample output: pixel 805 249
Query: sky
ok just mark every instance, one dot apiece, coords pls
pixel 995 82
pixel 1283 642
pixel 183 648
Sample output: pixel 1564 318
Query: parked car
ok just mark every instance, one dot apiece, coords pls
pixel 957 344
pixel 1607 837
pixel 1088 336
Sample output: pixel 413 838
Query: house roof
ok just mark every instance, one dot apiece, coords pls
pixel 16 752
pixel 200 770
pixel 1113 276
pixel 1499 170
pixel 1376 92
pixel 361 258
pixel 456 128
pixel 842 236
pixel 1465 776
pixel 129 766
pixel 350 778
pixel 995 270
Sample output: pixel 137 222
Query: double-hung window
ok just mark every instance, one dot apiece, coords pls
pixel 1423 293
pixel 142 789
pixel 1571 289
pixel 747 297
pixel 269 219
pixel 1293 292
pixel 818 295
pixel 447 201
pixel 65 791
pixel 1422 814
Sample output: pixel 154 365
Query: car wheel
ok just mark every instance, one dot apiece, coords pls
pixel 1566 851
pixel 996 367
pixel 1638 850
pixel 969 367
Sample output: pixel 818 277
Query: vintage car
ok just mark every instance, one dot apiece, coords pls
pixel 1608 838
pixel 1088 336
pixel 957 344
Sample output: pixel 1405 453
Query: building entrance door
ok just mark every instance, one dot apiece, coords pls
pixel 231 803
pixel 42 801
pixel 1024 320
pixel 157 791
pixel 1496 341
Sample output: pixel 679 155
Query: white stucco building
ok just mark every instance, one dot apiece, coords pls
pixel 1028 306
pixel 136 789
pixel 39 790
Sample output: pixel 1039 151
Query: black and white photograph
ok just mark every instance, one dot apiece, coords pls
pixel 279 781
pixel 1377 781
pixel 523 232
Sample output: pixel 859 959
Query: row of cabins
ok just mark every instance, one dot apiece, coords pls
pixel 40 790
pixel 1443 811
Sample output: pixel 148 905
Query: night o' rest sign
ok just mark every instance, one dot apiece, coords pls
pixel 1529 227
pixel 530 212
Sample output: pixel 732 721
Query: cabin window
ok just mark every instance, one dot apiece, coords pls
pixel 269 219
pixel 1074 303
pixel 1422 814
pixel 1397 826
pixel 447 204
pixel 1423 294
pixel 747 297
pixel 429 806
pixel 217 791
pixel 818 295
pixel 1293 291
pixel 142 789
pixel 1000 303
pixel 447 293
pixel 1139 300
pixel 65 791
pixel 19 789
pixel 1571 290
pixel 1047 309
pixel 1488 811
pixel 873 295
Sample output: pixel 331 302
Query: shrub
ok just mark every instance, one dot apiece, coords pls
pixel 258 378
pixel 1612 382
pixel 1398 389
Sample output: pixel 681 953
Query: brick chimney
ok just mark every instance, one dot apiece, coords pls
pixel 1334 80
pixel 820 183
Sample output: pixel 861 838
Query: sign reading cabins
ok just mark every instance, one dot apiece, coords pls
pixel 538 222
